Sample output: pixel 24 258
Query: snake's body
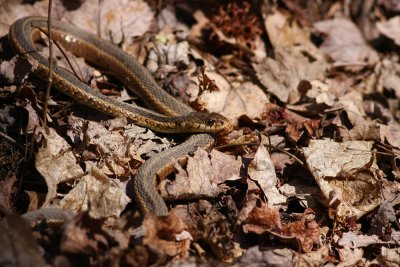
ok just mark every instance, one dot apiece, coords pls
pixel 134 76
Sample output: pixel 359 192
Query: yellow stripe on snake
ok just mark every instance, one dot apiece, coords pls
pixel 177 117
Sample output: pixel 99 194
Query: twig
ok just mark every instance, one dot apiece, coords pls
pixel 50 78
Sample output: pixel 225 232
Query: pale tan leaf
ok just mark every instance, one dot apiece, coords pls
pixel 102 196
pixel 262 170
pixel 282 75
pixel 55 162
pixel 345 172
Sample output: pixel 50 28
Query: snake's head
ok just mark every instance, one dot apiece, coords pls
pixel 208 122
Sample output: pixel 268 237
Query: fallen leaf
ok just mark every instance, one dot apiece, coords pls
pixel 117 21
pixel 282 75
pixel 390 29
pixel 261 169
pixel 344 43
pixel 164 236
pixel 19 246
pixel 348 169
pixel 97 194
pixel 55 162
pixel 204 174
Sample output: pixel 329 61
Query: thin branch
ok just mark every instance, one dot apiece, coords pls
pixel 50 78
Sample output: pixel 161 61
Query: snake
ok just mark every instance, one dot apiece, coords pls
pixel 167 114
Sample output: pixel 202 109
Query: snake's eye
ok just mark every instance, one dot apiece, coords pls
pixel 210 122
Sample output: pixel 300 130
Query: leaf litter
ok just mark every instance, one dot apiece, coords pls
pixel 308 176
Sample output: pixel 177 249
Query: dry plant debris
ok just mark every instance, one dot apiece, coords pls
pixel 308 176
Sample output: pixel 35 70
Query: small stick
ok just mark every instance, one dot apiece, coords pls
pixel 50 78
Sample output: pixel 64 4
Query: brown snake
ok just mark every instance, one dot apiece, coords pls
pixel 177 118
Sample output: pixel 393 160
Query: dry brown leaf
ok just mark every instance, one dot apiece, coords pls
pixel 262 219
pixel 261 169
pixel 388 256
pixel 390 29
pixel 389 75
pixel 113 148
pixel 216 231
pixel 167 236
pixel 83 234
pixel 118 20
pixel 344 43
pixel 304 234
pixel 282 75
pixel 18 244
pixel 352 240
pixel 283 31
pixel 168 55
pixel 55 162
pixel 204 174
pixel 6 186
pixel 390 133
pixel 12 10
pixel 260 256
pixel 321 92
pixel 350 257
pixel 97 193
pixel 347 172
pixel 248 99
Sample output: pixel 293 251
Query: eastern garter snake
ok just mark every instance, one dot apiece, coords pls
pixel 134 76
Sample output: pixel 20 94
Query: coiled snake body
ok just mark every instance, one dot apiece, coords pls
pixel 177 118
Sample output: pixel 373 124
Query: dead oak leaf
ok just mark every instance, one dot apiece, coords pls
pixel 306 234
pixel 390 29
pixel 55 162
pixel 347 172
pixel 262 219
pixel 261 169
pixel 344 43
pixel 98 194
pixel 390 134
pixel 118 20
pixel 12 10
pixel 165 235
pixel 204 174
pixel 245 99
pixel 282 75
pixel 85 235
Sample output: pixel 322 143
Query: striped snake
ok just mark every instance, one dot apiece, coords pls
pixel 176 116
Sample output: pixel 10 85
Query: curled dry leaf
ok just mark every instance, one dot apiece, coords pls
pixel 167 236
pixel 55 162
pixel 98 194
pixel 348 169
